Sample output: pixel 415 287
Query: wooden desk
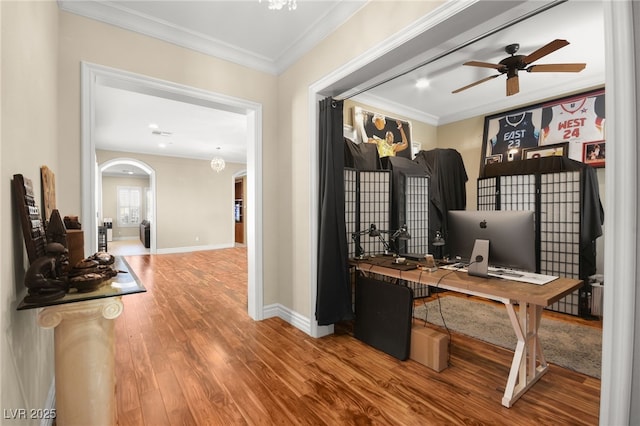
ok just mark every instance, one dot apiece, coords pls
pixel 528 363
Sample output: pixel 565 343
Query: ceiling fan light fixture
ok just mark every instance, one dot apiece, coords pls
pixel 514 63
pixel 513 85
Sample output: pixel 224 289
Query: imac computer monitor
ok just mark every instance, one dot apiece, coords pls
pixel 511 236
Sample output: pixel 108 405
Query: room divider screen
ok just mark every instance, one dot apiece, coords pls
pixel 416 213
pixel 555 199
pixel 367 202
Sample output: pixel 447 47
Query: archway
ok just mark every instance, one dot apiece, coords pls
pixel 152 186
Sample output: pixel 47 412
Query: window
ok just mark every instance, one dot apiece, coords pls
pixel 147 205
pixel 129 205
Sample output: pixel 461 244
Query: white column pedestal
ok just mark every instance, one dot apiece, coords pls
pixel 84 360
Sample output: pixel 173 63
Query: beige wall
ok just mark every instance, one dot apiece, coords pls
pixel 466 137
pixel 28 93
pixel 194 204
pixel 294 140
pixel 86 40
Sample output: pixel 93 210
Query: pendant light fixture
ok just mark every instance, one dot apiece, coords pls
pixel 217 163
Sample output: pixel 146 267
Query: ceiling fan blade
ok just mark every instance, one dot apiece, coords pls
pixel 476 83
pixel 545 50
pixel 557 68
pixel 499 67
pixel 513 85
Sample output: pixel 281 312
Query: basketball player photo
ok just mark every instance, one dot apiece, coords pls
pixel 392 136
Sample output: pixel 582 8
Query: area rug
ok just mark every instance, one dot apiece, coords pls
pixel 572 346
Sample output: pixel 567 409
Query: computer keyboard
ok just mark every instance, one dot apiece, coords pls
pixel 504 273
pixel 508 274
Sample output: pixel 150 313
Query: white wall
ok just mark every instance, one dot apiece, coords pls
pixel 28 140
pixel 635 384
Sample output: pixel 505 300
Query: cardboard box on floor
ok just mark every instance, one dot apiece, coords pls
pixel 429 347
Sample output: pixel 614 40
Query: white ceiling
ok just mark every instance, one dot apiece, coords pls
pixel 246 32
pixel 182 129
pixel 581 23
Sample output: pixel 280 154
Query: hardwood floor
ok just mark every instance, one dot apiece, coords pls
pixel 126 247
pixel 188 354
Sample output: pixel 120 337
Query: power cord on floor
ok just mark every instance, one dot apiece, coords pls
pixel 444 323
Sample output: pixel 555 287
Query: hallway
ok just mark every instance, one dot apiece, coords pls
pixel 126 247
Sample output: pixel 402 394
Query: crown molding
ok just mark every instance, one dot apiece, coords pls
pixel 123 17
pixel 324 26
pixel 115 14
pixel 396 108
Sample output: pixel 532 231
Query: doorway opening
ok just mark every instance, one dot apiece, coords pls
pixel 239 205
pixel 94 76
pixel 120 173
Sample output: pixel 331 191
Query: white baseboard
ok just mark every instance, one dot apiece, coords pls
pixel 295 319
pixel 194 248
pixel 300 322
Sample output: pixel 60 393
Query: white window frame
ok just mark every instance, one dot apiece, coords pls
pixel 148 212
pixel 132 190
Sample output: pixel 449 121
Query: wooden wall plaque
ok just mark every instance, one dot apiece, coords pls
pixel 30 218
pixel 48 191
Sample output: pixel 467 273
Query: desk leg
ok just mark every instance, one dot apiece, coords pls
pixel 528 363
pixel 84 360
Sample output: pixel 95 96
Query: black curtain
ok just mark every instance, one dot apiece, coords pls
pixel 333 301
pixel 447 187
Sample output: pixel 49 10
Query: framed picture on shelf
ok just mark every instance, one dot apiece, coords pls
pixel 497 158
pixel 391 135
pixel 570 126
pixel 558 149
pixel 594 153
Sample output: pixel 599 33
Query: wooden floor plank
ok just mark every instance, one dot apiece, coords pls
pixel 188 354
pixel 153 409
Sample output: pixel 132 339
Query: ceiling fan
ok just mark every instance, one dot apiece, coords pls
pixel 514 63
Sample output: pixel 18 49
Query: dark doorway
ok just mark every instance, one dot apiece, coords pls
pixel 239 211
